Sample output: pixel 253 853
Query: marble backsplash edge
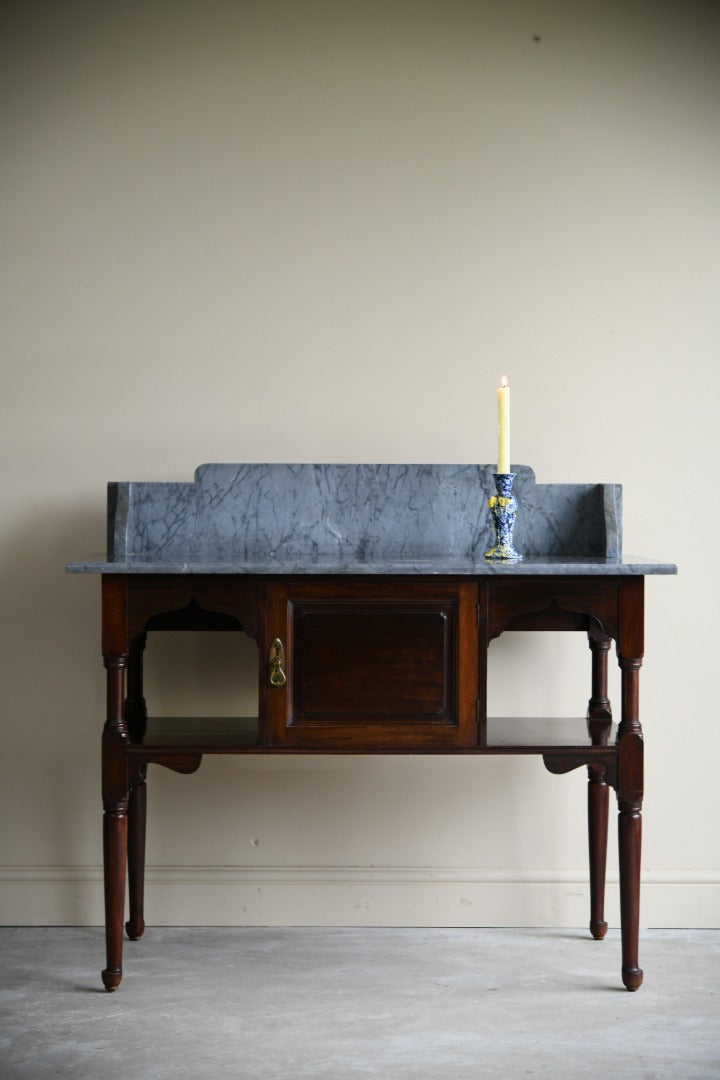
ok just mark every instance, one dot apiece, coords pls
pixel 366 511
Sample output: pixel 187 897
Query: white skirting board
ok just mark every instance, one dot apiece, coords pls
pixel 362 896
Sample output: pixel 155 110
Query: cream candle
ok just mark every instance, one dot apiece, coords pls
pixel 503 400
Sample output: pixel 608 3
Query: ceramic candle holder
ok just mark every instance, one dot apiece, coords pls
pixel 503 507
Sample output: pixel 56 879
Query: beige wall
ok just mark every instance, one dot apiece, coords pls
pixel 318 232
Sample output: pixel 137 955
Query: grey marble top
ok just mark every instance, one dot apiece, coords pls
pixel 359 519
pixel 534 564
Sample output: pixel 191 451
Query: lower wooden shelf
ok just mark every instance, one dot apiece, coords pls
pixel 538 734
pixel 199 735
pixel 240 735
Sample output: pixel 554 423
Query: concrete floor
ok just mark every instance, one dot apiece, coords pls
pixel 288 1004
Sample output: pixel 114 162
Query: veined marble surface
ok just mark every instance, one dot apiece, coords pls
pixel 373 519
pixel 533 565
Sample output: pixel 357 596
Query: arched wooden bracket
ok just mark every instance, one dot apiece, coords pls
pixel 193 617
pixel 192 602
pixel 542 605
pixel 551 617
pixel 180 763
pixel 558 764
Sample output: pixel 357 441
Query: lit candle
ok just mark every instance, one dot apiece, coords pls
pixel 503 398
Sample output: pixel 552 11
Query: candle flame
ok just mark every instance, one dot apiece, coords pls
pixel 503 381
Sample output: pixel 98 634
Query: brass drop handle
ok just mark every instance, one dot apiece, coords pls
pixel 276 663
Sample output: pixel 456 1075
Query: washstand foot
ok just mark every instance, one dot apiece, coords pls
pixel 111 979
pixel 632 978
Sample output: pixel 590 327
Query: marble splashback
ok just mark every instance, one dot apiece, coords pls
pixel 281 514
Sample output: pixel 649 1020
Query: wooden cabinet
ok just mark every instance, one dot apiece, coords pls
pixel 370 665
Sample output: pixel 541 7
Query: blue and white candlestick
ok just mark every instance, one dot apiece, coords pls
pixel 503 507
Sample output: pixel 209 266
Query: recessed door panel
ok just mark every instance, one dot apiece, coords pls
pixel 365 662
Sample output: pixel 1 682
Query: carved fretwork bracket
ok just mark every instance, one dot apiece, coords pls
pixel 193 617
pixel 604 768
pixel 207 602
pixel 538 605
pixel 179 763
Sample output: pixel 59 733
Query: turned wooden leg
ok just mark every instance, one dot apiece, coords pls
pixel 114 774
pixel 629 840
pixel 598 807
pixel 599 716
pixel 599 708
pixel 630 773
pixel 137 806
pixel 115 802
pixel 630 795
pixel 114 854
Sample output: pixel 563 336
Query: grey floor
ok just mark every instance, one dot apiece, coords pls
pixel 255 1004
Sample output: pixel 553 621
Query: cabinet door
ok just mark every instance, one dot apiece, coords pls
pixel 371 664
